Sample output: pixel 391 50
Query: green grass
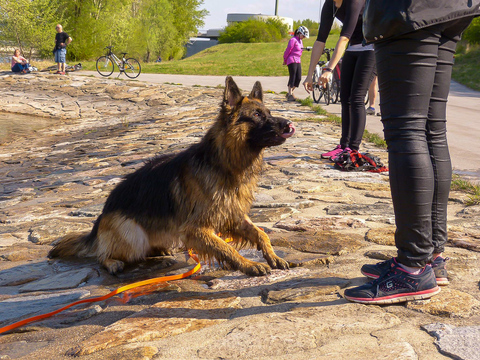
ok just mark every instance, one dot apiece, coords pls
pixel 370 137
pixel 239 59
pixel 465 186
pixel 466 70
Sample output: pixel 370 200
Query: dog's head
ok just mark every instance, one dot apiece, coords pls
pixel 249 121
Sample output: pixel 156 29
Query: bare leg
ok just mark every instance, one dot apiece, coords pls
pixel 372 92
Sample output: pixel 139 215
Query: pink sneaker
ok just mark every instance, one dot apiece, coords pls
pixel 333 152
pixel 337 157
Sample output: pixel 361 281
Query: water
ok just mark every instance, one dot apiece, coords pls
pixel 15 125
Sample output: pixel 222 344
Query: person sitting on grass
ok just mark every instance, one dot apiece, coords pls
pixel 19 63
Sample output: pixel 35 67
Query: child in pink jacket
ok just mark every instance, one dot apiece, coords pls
pixel 292 58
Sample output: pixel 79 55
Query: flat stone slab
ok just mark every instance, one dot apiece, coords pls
pixel 164 319
pixel 284 335
pixel 461 343
pixel 360 209
pixel 7 240
pixel 23 274
pixel 448 303
pixel 319 223
pixel 465 241
pixel 236 280
pixel 371 187
pixel 304 289
pixel 17 308
pixel 321 242
pixel 382 236
pixel 270 214
pixel 65 280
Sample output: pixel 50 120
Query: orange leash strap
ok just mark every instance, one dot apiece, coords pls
pixel 114 292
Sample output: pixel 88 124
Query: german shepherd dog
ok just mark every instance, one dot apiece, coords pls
pixel 192 196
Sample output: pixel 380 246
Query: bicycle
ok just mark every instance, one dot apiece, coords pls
pixel 331 91
pixel 106 64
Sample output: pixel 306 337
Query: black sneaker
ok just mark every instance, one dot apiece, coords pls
pixel 394 286
pixel 374 271
pixel 440 269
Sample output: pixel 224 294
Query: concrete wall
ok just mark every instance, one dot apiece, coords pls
pixel 194 46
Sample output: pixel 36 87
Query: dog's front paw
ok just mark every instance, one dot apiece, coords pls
pixel 256 269
pixel 278 263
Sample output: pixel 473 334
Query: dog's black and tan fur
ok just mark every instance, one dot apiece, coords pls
pixel 192 196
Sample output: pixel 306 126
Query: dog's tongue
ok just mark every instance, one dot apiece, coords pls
pixel 291 131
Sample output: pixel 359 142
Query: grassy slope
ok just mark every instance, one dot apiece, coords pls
pixel 264 59
pixel 467 70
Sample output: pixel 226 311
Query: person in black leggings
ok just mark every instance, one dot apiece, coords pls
pixel 356 73
pixel 414 73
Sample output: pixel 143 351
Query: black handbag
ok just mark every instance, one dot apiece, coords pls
pixel 383 19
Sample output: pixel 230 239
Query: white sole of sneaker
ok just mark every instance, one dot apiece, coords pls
pixel 442 281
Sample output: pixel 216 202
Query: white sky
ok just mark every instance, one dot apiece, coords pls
pixel 295 9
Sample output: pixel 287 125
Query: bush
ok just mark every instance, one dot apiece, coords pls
pixel 472 34
pixel 311 25
pixel 254 31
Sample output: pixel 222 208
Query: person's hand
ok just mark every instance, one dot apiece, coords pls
pixel 325 78
pixel 308 84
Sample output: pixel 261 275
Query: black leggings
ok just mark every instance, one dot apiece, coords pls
pixel 357 74
pixel 295 72
pixel 414 73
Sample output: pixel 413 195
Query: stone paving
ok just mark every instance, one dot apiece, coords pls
pixel 326 222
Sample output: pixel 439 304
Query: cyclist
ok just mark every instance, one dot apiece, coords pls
pixel 357 69
pixel 292 58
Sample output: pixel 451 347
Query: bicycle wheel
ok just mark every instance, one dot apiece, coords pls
pixel 334 92
pixel 316 92
pixel 105 66
pixel 326 94
pixel 132 68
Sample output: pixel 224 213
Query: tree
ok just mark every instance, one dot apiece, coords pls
pixel 311 25
pixel 30 25
pixel 472 34
pixel 254 31
pixel 143 28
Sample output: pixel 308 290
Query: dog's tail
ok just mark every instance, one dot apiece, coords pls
pixel 75 244
pixel 71 245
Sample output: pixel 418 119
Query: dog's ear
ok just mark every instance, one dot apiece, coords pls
pixel 232 95
pixel 257 92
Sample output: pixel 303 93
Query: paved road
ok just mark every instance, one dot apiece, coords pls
pixel 463 110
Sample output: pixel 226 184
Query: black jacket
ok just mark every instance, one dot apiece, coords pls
pixel 383 19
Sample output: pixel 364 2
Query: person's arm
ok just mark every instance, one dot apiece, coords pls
pixel 317 52
pixel 352 16
pixel 69 40
pixel 288 50
pixel 336 56
pixel 326 22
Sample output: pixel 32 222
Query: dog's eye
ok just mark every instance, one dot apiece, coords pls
pixel 257 114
